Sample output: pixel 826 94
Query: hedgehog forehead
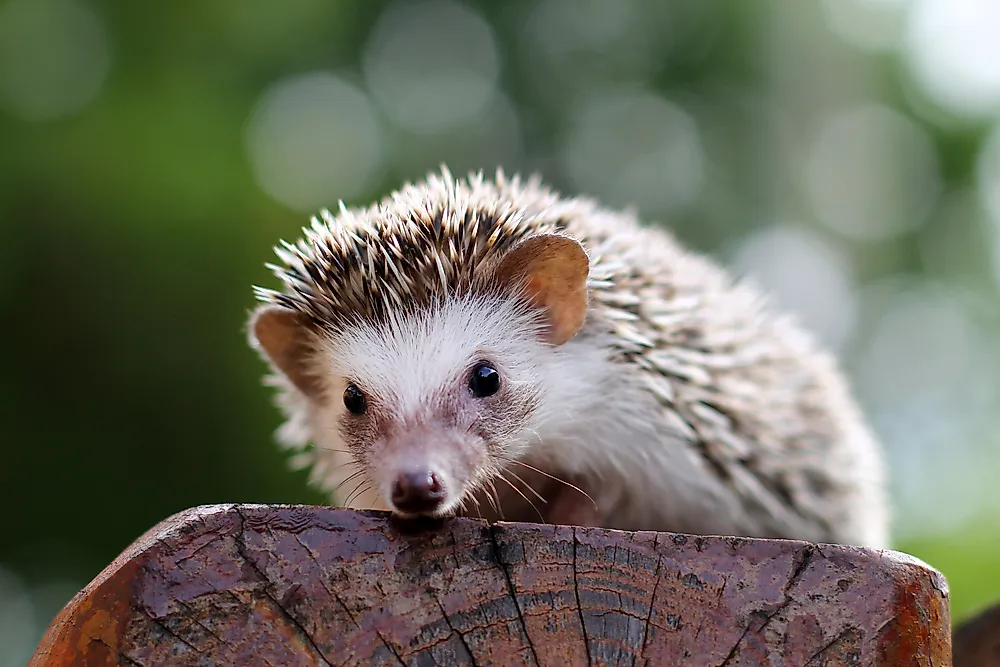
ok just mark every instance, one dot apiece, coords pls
pixel 396 256
pixel 416 358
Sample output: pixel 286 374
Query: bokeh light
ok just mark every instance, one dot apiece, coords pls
pixel 17 618
pixel 871 173
pixel 927 373
pixel 431 64
pixel 54 57
pixel 573 44
pixel 25 611
pixel 988 175
pixel 313 137
pixel 805 275
pixel 988 182
pixel 485 141
pixel 633 148
pixel 952 49
pixel 874 25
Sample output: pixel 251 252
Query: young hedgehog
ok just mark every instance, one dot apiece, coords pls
pixel 461 336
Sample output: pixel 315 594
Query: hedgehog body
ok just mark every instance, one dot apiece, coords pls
pixel 490 347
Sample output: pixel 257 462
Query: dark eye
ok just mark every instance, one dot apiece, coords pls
pixel 354 400
pixel 485 381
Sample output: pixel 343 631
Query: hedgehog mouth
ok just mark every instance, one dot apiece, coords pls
pixel 421 492
pixel 445 513
pixel 447 510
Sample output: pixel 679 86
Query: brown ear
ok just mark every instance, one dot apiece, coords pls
pixel 284 336
pixel 553 270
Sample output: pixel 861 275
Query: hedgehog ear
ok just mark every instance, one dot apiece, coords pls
pixel 553 270
pixel 285 338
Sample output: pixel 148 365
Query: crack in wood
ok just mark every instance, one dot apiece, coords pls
pixel 215 538
pixel 241 549
pixel 192 614
pixel 343 605
pixel 130 661
pixel 510 589
pixel 652 603
pixel 167 631
pixel 802 558
pixel 833 642
pixel 322 581
pixel 389 647
pixel 736 646
pixel 461 637
pixel 579 605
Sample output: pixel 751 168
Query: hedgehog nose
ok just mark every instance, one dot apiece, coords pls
pixel 417 491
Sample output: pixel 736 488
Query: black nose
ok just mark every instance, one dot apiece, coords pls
pixel 417 492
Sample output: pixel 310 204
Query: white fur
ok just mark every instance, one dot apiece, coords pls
pixel 586 404
pixel 412 364
pixel 412 359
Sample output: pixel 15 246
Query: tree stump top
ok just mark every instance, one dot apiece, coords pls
pixel 295 585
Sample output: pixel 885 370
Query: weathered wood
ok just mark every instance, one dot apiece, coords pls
pixel 292 585
pixel 976 642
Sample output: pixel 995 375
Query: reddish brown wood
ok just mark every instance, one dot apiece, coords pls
pixel 977 641
pixel 291 585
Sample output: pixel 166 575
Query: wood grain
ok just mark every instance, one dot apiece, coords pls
pixel 294 585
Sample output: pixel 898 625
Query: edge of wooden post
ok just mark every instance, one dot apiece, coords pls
pixel 91 627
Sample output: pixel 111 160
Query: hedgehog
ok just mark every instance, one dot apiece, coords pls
pixel 493 348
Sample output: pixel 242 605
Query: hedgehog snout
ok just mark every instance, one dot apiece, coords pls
pixel 424 471
pixel 417 491
pixel 421 489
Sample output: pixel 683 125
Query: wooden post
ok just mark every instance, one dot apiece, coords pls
pixel 293 585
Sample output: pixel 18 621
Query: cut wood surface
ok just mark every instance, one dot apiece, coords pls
pixel 294 585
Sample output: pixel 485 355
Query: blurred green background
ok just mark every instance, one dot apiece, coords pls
pixel 846 153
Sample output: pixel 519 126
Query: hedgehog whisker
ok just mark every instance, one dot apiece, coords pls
pixel 527 486
pixel 472 497
pixel 489 498
pixel 554 478
pixel 357 490
pixel 496 500
pixel 348 479
pixel 331 449
pixel 520 493
pixel 367 487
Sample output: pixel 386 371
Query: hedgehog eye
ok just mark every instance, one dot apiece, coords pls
pixel 484 381
pixel 354 400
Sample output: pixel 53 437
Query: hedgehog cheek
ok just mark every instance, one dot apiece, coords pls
pixel 552 271
pixel 285 339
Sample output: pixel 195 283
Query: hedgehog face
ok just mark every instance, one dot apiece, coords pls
pixel 433 397
pixel 432 401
